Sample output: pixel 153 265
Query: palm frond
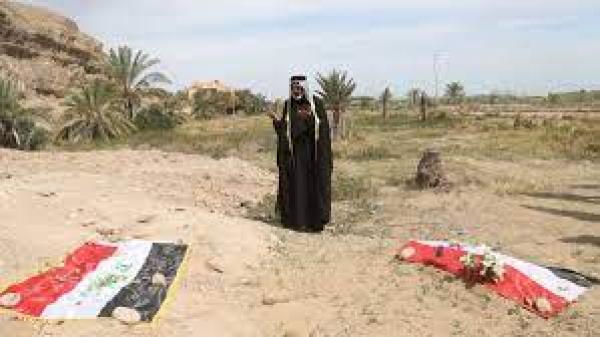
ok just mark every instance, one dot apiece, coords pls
pixel 151 78
pixel 92 114
pixel 336 89
pixel 128 69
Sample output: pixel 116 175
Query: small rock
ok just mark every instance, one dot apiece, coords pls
pixel 110 233
pixel 543 305
pixel 245 204
pixel 407 253
pixel 272 299
pixel 47 194
pixel 159 279
pixel 146 219
pixel 372 320
pixel 180 209
pixel 215 266
pixel 127 315
pixel 249 282
pixel 7 176
pixel 9 300
pixel 88 223
pixel 106 231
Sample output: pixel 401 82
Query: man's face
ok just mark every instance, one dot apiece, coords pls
pixel 297 90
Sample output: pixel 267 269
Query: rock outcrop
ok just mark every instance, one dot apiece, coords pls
pixel 43 52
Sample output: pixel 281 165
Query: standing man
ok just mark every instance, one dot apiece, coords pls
pixel 304 159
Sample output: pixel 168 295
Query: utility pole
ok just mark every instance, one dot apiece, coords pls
pixel 439 58
pixel 436 58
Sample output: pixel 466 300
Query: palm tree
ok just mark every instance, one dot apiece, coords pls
pixel 18 126
pixel 455 91
pixel 92 113
pixel 336 92
pixel 386 97
pixel 130 72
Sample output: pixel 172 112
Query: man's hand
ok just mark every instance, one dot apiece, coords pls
pixel 304 112
pixel 272 115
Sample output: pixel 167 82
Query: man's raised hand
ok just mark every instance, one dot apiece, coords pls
pixel 272 115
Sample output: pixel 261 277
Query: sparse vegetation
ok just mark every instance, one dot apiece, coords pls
pixel 347 187
pixel 365 103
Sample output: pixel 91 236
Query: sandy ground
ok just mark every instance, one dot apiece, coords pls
pixel 247 278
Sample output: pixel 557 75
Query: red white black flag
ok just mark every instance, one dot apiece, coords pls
pixel 99 277
pixel 543 290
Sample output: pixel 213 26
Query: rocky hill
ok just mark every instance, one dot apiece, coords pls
pixel 44 52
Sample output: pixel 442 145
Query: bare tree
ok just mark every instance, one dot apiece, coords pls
pixel 386 97
pixel 424 105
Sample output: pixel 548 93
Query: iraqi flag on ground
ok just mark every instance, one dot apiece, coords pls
pixel 98 278
pixel 545 291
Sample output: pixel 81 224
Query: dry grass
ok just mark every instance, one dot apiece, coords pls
pixel 249 138
pixel 386 152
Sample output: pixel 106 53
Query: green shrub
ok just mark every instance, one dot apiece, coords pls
pixel 18 128
pixel 31 136
pixel 155 117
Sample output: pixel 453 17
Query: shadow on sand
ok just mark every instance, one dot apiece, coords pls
pixel 582 216
pixel 586 187
pixel 583 240
pixel 566 197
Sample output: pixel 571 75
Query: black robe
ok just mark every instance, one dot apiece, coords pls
pixel 304 194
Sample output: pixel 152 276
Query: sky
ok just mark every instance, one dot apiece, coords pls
pixel 521 46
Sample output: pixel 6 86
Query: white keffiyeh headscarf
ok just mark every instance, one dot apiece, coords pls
pixel 303 82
